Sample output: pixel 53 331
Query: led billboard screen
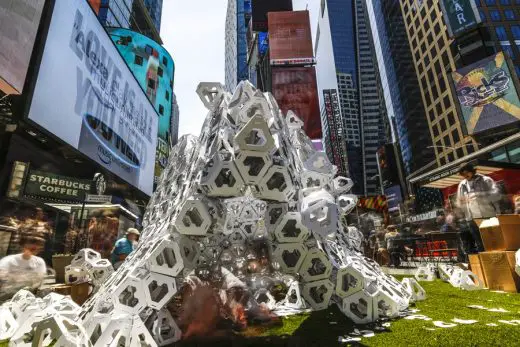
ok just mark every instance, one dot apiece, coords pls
pixel 87 96
pixel 290 38
pixel 19 21
pixel 487 94
pixel 295 89
pixel 154 69
pixel 260 9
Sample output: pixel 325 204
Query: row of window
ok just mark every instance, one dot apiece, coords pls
pixel 495 2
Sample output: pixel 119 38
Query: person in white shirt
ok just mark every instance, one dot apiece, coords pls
pixel 477 197
pixel 24 270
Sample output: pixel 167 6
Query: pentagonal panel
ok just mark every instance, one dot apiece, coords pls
pixel 346 203
pixel 294 298
pixel 255 106
pixel 165 258
pixel 290 229
pixel 425 273
pixel 316 266
pixel 165 330
pixel 359 307
pixel 342 185
pixel 210 93
pixel 75 274
pixel 85 255
pixel 349 281
pixel 313 179
pixel 159 289
pixel 237 237
pixel 320 213
pixel 253 166
pixel 190 251
pixel 263 296
pixel 193 219
pixel 255 136
pixel 318 162
pixel 290 256
pixel 470 281
pixel 318 293
pixel 8 324
pixel 385 306
pixel 277 185
pixel 130 296
pixel 293 121
pixel 220 177
pixel 417 293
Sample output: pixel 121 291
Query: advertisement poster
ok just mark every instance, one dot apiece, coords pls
pixel 19 21
pixel 295 89
pixel 459 15
pixel 393 198
pixel 260 9
pixel 154 69
pixel 487 94
pixel 290 38
pixel 86 96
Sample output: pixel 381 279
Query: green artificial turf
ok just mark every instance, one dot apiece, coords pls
pixel 443 303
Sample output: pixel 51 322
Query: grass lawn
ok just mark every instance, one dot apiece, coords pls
pixel 443 303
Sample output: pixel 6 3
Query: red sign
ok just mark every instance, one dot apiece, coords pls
pixel 290 38
pixel 295 89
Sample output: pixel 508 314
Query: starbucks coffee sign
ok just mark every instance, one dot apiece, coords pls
pixel 49 185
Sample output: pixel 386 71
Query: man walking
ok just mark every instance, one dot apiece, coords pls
pixel 124 247
pixel 477 196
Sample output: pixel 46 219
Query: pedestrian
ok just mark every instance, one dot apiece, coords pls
pixel 393 247
pixel 124 246
pixel 383 257
pixel 477 197
pixel 24 270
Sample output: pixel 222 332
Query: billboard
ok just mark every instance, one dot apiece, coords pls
pixel 388 168
pixel 487 94
pixel 335 135
pixel 154 69
pixel 394 198
pixel 290 38
pixel 87 96
pixel 460 15
pixel 295 89
pixel 19 21
pixel 260 9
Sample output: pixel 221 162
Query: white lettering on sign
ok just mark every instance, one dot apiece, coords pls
pixel 460 13
pixel 58 190
pixel 59 182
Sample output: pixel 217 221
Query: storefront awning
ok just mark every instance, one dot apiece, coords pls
pixel 453 178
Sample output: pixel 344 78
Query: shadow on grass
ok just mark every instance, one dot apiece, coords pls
pixel 313 330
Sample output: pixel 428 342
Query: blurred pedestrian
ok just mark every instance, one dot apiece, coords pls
pixel 124 247
pixel 477 196
pixel 24 270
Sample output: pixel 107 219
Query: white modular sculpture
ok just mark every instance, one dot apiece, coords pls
pixel 517 265
pixel 87 265
pixel 247 205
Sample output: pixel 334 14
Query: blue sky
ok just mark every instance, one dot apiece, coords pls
pixel 193 33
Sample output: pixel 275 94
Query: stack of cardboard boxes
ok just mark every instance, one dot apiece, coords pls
pixel 496 266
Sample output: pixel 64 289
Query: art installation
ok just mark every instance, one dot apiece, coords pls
pixel 247 208
pixel 454 275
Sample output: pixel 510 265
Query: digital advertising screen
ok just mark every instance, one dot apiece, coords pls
pixel 19 21
pixel 487 94
pixel 290 38
pixel 154 69
pixel 86 95
pixel 295 89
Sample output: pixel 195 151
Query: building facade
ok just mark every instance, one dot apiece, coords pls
pixel 346 62
pixel 402 94
pixel 143 16
pixel 236 67
pixel 174 132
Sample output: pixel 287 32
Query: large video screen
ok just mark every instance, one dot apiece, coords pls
pixel 19 21
pixel 290 37
pixel 487 94
pixel 154 69
pixel 260 9
pixel 295 89
pixel 87 96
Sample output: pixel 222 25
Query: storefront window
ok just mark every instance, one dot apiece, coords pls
pixel 499 155
pixel 513 150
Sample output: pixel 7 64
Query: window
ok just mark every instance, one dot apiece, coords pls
pixel 495 15
pixel 160 72
pixel 443 124
pixel 482 15
pixel 450 157
pixel 167 95
pixel 509 14
pixel 455 135
pixel 509 50
pixel 151 84
pixel 505 2
pixel 491 2
pixel 477 2
pixel 164 61
pixel 515 29
pixel 501 33
pixel 447 103
pixel 435 131
pixel 138 60
pixel 460 152
pixel 148 49
pixel 161 110
pixel 517 69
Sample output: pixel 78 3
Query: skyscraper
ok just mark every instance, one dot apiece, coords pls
pixel 346 63
pixel 236 42
pixel 400 85
pixel 143 16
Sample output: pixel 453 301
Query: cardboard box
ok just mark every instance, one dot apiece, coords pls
pixel 476 267
pixel 498 269
pixel 501 233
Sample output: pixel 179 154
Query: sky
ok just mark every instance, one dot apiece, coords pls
pixel 193 32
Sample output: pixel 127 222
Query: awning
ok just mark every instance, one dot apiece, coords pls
pixel 454 178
